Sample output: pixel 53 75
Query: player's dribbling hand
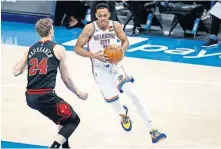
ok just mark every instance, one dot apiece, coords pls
pixel 100 56
pixel 82 95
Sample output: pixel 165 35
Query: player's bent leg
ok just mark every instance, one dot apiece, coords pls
pixel 61 113
pixel 107 85
pixel 66 144
pixel 122 110
pixel 142 111
pixel 122 80
pixel 112 98
pixel 121 77
pixel 110 94
pixel 69 126
pixel 126 122
pixel 137 102
pixel 69 121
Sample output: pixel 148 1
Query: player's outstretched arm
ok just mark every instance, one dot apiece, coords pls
pixel 60 53
pixel 121 35
pixel 21 65
pixel 83 39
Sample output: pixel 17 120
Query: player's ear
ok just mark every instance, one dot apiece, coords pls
pixel 96 15
pixel 108 14
pixel 52 31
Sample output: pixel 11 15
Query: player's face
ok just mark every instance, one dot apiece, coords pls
pixel 103 16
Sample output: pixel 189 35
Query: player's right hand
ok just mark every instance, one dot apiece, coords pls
pixel 100 56
pixel 82 95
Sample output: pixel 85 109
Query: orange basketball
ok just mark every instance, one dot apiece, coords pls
pixel 114 53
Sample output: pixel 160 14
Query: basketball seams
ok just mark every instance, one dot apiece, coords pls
pixel 113 53
pixel 119 55
pixel 118 58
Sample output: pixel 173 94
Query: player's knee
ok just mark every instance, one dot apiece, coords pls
pixel 75 120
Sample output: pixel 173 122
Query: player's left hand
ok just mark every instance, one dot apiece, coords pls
pixel 82 95
pixel 122 50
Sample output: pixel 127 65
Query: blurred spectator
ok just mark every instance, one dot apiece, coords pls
pixel 70 14
pixel 215 27
pixel 139 14
pixel 206 4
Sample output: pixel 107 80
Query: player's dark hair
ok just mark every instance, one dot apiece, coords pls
pixel 102 6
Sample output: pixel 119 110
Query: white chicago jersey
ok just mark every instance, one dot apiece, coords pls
pixel 101 39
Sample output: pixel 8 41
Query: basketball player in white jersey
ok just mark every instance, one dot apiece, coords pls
pixel 111 78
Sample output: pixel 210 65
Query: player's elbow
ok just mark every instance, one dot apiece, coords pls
pixel 76 50
pixel 16 72
pixel 127 42
pixel 19 69
pixel 65 78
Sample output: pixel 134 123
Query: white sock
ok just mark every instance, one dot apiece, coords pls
pixel 60 139
pixel 141 109
pixel 59 127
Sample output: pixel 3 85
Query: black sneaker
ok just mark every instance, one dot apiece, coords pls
pixel 210 43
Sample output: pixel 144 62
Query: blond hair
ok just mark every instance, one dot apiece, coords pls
pixel 43 26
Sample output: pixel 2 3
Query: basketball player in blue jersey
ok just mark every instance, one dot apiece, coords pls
pixel 111 78
pixel 42 61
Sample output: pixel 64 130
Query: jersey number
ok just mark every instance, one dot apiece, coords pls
pixel 42 66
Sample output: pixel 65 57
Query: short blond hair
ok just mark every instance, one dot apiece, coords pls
pixel 43 26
